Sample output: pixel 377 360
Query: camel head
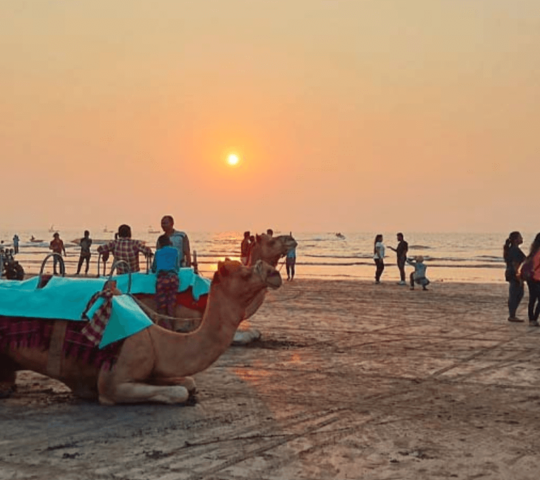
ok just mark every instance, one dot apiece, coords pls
pixel 244 283
pixel 271 249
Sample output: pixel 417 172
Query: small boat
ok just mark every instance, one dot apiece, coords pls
pixel 152 230
pixel 35 240
pixel 340 235
pixel 51 229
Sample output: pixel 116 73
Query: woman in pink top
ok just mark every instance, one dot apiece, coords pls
pixel 534 284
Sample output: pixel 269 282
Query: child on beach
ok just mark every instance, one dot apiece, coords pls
pixel 166 264
pixel 419 274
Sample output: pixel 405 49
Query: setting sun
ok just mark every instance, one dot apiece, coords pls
pixel 232 159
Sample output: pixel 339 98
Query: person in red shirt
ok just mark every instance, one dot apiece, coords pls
pixel 57 246
pixel 126 249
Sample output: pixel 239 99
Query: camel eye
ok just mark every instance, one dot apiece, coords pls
pixel 246 273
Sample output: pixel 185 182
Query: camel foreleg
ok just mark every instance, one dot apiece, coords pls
pixel 8 373
pixel 186 382
pixel 141 392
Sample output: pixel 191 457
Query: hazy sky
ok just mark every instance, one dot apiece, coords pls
pixel 347 115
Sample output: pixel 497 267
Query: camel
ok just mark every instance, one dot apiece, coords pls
pixel 266 248
pixel 155 364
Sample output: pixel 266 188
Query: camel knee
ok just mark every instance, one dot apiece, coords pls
pixel 189 384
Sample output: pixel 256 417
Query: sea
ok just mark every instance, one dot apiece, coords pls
pixel 450 257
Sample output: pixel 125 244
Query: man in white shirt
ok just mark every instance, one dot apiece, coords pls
pixel 178 239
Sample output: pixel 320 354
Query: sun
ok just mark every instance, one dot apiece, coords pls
pixel 233 159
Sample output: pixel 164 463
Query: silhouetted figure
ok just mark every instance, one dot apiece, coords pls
pixel 244 248
pixel 401 253
pixel 57 246
pixel 378 256
pixel 513 257
pixel 86 243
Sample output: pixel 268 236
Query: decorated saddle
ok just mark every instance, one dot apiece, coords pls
pixel 67 299
pixel 192 289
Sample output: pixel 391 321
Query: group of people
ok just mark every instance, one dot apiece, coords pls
pixel 172 252
pixel 521 269
pixel 417 277
pixel 247 244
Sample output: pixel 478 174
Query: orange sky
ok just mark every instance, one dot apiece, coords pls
pixel 348 115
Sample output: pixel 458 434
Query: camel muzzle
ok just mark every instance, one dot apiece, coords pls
pixel 273 279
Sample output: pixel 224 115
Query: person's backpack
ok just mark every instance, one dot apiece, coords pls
pixel 526 270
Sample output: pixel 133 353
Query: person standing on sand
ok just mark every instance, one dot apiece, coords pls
pixel 178 239
pixel 85 244
pixel 15 244
pixel 57 246
pixel 513 257
pixel 126 249
pixel 244 248
pixel 270 232
pixel 534 283
pixel 378 256
pixel 401 252
pixel 290 262
pixel 166 265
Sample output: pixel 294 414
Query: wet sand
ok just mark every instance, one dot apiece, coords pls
pixel 351 380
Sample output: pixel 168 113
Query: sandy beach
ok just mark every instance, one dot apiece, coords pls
pixel 350 380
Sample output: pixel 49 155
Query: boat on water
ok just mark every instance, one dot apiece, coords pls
pixel 153 230
pixel 51 229
pixel 35 240
pixel 340 235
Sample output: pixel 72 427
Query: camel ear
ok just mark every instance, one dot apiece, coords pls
pixel 222 269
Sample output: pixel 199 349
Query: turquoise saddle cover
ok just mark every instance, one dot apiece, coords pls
pixel 146 282
pixel 66 299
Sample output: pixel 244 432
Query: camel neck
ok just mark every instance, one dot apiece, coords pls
pixel 186 354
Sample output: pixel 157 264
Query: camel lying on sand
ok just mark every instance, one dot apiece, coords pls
pixel 155 364
pixel 265 248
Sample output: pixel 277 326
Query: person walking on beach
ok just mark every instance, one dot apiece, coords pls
pixel 244 248
pixel 290 262
pixel 178 239
pixel 534 283
pixel 85 255
pixel 419 274
pixel 15 244
pixel 126 249
pixel 513 257
pixel 401 253
pixel 57 246
pixel 378 256
pixel 166 264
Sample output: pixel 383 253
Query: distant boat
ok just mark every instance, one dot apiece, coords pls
pixel 106 230
pixel 340 235
pixel 35 240
pixel 151 230
pixel 51 229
